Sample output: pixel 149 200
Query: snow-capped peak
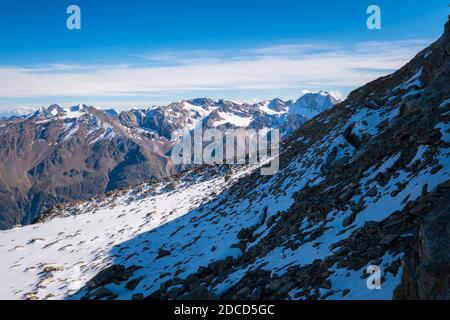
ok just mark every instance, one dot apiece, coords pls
pixel 311 104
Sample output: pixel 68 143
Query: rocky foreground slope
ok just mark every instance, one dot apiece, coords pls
pixel 56 155
pixel 366 183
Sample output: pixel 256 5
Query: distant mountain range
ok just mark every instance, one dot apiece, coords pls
pixel 15 113
pixel 56 154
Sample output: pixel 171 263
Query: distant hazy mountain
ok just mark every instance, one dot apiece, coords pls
pixel 16 113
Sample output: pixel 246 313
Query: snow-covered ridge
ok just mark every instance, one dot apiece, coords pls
pixel 161 121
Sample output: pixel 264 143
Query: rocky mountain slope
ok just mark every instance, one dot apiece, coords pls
pixel 55 155
pixel 365 183
pixel 52 156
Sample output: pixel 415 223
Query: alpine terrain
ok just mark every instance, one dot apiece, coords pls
pixel 56 155
pixel 365 183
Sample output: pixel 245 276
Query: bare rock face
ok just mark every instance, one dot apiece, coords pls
pixel 427 267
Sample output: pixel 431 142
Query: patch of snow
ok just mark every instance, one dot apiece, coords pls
pixel 342 279
pixel 73 129
pixel 413 81
pixel 444 103
pixel 419 154
pixel 444 128
pixel 233 119
pixel 386 165
pixel 367 120
pixel 264 107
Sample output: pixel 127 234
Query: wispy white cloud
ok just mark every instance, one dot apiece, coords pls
pixel 326 65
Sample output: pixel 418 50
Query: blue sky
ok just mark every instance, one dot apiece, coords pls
pixel 138 53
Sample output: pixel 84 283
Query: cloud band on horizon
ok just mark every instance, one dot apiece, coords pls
pixel 164 76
